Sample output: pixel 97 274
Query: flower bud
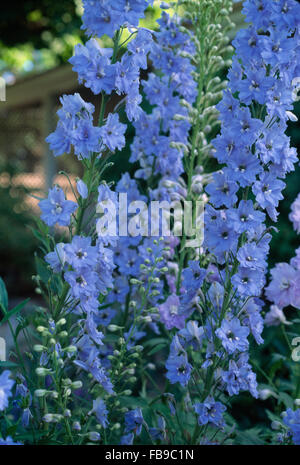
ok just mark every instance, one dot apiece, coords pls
pixel 76 385
pixel 63 334
pixel 114 328
pixel 41 371
pixel 94 436
pixel 127 392
pixel 71 349
pixel 276 425
pixel 40 392
pixel 135 281
pixel 116 425
pixel 41 329
pixel 38 348
pixel 151 366
pixel 76 426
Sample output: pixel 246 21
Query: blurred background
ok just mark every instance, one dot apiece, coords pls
pixel 36 40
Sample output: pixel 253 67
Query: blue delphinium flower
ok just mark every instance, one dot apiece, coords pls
pixel 252 256
pixel 220 237
pixel 284 289
pixel 75 127
pixel 100 18
pixel 294 215
pixel 292 421
pixel 56 209
pixel 210 412
pixel 140 46
pixel 255 86
pixel 101 412
pixel 192 334
pixel 6 384
pixel 94 67
pixel 248 282
pixel 105 17
pixel 9 442
pixel 134 421
pixel 57 259
pixel 245 217
pixel 223 190
pixel 240 377
pixel 90 362
pixel 233 335
pixel 113 133
pixel 170 314
pixel 80 253
pixel 159 432
pixel 82 189
pixel 127 439
pixel 82 282
pixel 268 192
pixel 178 368
pixel 193 276
pixel 104 317
pixel 253 319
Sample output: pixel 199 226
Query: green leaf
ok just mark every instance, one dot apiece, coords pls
pixel 42 270
pixel 286 400
pixel 15 310
pixel 155 341
pixel 133 402
pixel 157 348
pixel 22 324
pixel 8 364
pixel 272 417
pixel 3 296
pixel 11 431
pixel 249 437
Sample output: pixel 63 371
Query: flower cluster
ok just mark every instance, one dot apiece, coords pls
pixel 284 287
pixel 121 311
pixel 6 384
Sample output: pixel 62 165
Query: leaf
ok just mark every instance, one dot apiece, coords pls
pixel 8 364
pixel 15 310
pixel 155 341
pixel 133 402
pixel 40 238
pixel 272 417
pixel 11 431
pixel 157 348
pixel 3 296
pixel 249 437
pixel 21 325
pixel 42 270
pixel 286 400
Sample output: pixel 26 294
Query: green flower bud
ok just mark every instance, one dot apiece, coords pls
pixel 76 384
pixel 40 392
pixel 114 328
pixel 41 371
pixel 38 348
pixel 94 436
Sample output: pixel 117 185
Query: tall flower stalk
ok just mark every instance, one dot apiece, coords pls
pixel 146 339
